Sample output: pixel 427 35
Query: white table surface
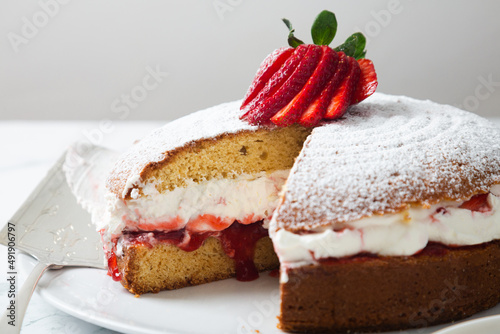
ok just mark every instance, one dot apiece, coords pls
pixel 27 151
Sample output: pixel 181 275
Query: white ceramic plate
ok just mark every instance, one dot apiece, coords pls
pixel 488 325
pixel 220 307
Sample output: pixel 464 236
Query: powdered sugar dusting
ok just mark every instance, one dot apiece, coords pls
pixel 204 124
pixel 387 153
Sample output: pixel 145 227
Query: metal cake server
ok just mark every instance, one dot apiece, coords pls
pixel 53 228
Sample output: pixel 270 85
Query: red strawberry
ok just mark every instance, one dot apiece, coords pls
pixel 269 66
pixel 343 96
pixel 317 109
pixel 478 203
pixel 311 82
pixel 367 82
pixel 321 75
pixel 281 97
pixel 277 80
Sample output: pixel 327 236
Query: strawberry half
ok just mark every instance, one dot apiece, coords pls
pixel 290 88
pixel 323 72
pixel 343 96
pixel 269 66
pixel 367 82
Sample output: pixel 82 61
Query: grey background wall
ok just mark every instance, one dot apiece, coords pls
pixel 161 59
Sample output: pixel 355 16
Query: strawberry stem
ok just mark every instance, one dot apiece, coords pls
pixel 324 28
pixel 292 40
pixel 354 46
pixel 323 32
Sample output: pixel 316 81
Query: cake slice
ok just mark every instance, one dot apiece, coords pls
pixel 190 203
pixel 390 219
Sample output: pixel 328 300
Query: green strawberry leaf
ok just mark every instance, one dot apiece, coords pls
pixel 292 40
pixel 354 46
pixel 324 28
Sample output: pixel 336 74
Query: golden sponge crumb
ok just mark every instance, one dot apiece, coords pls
pixel 228 156
pixel 166 267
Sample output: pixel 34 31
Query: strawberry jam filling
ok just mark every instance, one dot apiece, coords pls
pixel 238 242
pixel 432 249
pixel 478 203
pixel 201 223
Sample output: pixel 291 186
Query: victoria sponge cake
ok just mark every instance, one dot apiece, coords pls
pixel 386 218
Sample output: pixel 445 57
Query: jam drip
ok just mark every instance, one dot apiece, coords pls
pixel 238 242
pixel 112 261
pixel 113 266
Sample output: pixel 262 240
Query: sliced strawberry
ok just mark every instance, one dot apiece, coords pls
pixel 367 81
pixel 478 203
pixel 321 75
pixel 311 82
pixel 343 96
pixel 269 66
pixel 286 116
pixel 317 109
pixel 314 113
pixel 262 113
pixel 277 79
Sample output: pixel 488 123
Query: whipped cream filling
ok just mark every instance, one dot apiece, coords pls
pixel 199 207
pixel 400 234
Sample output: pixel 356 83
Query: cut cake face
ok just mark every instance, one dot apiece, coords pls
pixel 199 191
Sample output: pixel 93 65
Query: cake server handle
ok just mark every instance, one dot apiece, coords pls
pixel 12 318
